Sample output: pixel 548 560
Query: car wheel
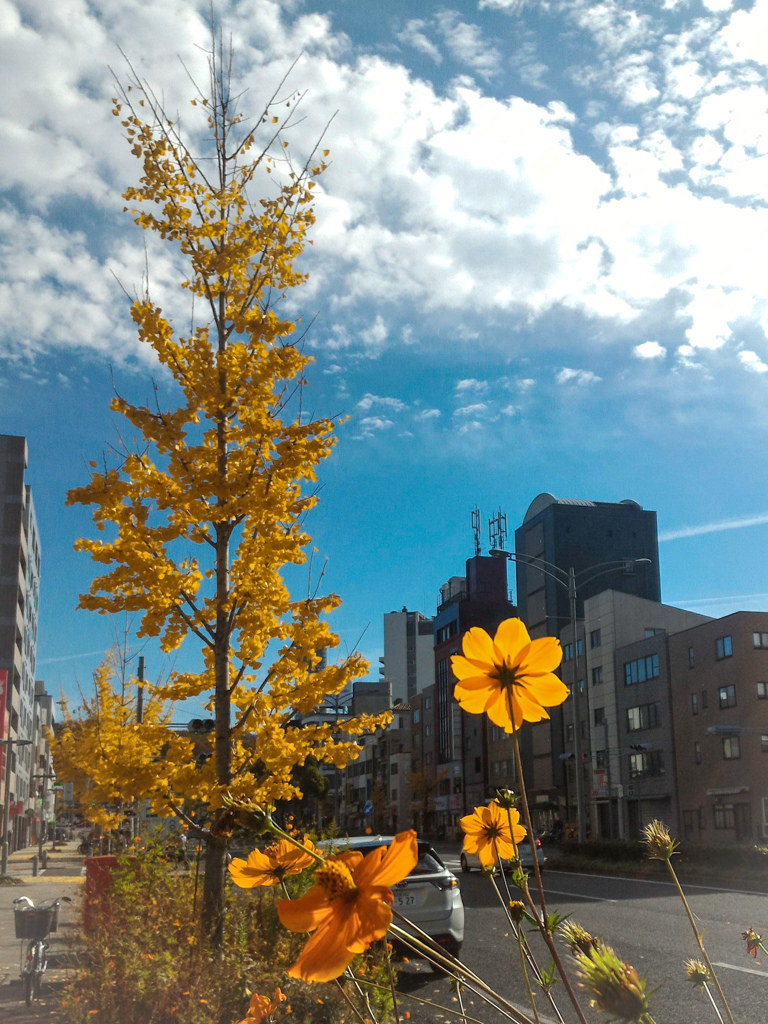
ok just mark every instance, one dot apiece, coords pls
pixel 465 865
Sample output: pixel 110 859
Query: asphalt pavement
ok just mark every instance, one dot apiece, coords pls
pixel 62 877
pixel 644 921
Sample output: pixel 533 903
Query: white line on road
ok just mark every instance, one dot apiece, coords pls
pixel 744 970
pixel 575 895
pixel 651 881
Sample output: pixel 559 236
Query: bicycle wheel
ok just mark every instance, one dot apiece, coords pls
pixel 28 987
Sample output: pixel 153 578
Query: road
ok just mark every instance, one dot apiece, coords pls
pixel 646 924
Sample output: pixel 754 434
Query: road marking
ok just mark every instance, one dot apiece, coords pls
pixel 574 895
pixel 651 881
pixel 744 970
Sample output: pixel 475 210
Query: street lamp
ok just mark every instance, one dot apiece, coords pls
pixel 7 798
pixel 571 581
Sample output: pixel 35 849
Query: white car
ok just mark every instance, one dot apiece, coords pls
pixel 430 896
pixel 471 860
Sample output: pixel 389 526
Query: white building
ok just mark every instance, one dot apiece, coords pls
pixel 408 664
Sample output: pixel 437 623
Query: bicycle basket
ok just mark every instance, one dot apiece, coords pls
pixel 33 922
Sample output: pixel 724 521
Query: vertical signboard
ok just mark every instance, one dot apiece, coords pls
pixel 3 695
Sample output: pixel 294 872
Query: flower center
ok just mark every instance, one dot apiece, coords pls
pixel 271 851
pixel 336 878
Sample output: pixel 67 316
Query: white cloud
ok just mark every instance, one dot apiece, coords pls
pixel 649 350
pixel 471 410
pixel 752 361
pixel 501 5
pixel 725 524
pixel 525 384
pixel 470 384
pixel 428 414
pixel 581 377
pixel 374 336
pixel 375 423
pixel 412 35
pixel 368 401
pixel 467 45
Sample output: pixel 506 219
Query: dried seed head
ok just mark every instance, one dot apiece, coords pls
pixel 516 910
pixel 753 940
pixel 697 972
pixel 615 986
pixel 506 798
pixel 578 939
pixel 658 841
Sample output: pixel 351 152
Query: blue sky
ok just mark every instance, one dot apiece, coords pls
pixel 539 264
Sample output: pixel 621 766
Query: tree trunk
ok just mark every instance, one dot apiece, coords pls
pixel 213 890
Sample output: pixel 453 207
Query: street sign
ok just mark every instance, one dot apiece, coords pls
pixel 368 808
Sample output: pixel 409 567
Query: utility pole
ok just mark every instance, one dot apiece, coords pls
pixel 576 717
pixel 140 695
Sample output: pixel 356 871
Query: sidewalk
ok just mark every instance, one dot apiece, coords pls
pixel 61 878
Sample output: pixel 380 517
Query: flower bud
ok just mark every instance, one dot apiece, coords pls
pixel 659 843
pixel 615 986
pixel 697 973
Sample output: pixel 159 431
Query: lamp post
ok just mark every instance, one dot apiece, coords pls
pixel 572 581
pixel 7 798
pixel 43 821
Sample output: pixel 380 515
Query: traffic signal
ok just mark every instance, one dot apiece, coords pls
pixel 201 726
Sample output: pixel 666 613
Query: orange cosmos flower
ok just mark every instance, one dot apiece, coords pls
pixel 348 907
pixel 486 833
pixel 262 1007
pixel 271 866
pixel 511 668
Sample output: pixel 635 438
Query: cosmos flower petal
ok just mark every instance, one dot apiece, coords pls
pixel 465 669
pixel 543 655
pixel 478 646
pixel 307 913
pixel 257 870
pixel 474 700
pixel 547 690
pixel 325 956
pixel 510 637
pixel 392 867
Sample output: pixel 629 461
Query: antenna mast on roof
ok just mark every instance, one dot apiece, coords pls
pixel 476 528
pixel 497 531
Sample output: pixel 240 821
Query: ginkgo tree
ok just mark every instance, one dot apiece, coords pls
pixel 200 518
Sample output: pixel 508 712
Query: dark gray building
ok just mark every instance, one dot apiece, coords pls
pixel 571 533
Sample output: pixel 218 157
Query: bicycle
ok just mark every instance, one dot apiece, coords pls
pixel 35 923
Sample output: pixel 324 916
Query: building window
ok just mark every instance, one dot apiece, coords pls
pixel 394 794
pixel 644 716
pixel 762 691
pixel 723 648
pixel 579 648
pixel 691 658
pixel 427 703
pixel 731 748
pixel 597 675
pixel 697 752
pixel 764 743
pixel 723 815
pixel 646 765
pixel 694 703
pixel 760 639
pixel 594 638
pixel 427 730
pixel 599 714
pixel 703 700
pixel 416 716
pixel 393 768
pixel 640 670
pixel 727 696
pixel 601 759
pixel 567 652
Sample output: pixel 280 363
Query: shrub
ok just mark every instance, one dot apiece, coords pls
pixel 145 961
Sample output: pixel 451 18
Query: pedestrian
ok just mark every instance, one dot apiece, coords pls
pixel 183 850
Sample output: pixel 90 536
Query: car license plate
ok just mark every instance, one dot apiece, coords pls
pixel 406 900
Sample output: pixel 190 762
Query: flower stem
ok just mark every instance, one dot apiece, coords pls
pixel 518 936
pixel 541 917
pixel 700 944
pixel 425 1002
pixel 714 1004
pixel 391 980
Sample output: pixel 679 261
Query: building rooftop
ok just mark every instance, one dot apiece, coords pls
pixel 544 500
